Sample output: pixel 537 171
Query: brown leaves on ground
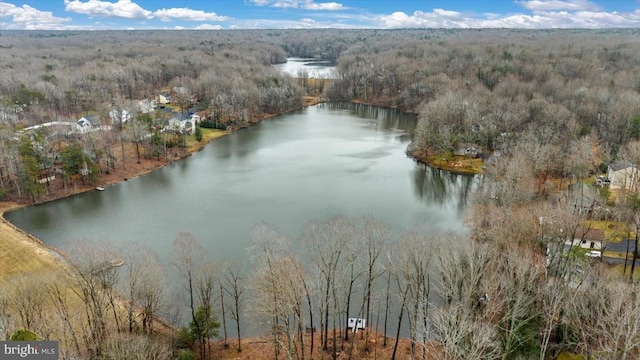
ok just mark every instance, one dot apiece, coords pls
pixel 262 348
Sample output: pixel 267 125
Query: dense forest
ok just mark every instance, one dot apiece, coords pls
pixel 548 109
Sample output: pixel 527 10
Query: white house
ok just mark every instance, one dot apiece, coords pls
pixel 623 175
pixel 146 106
pixel 83 125
pixel 590 239
pixel 117 117
pixel 185 125
pixel 467 149
pixel 89 123
pixel 162 99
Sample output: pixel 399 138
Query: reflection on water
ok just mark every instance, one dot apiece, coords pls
pixel 334 158
pixel 437 186
pixel 326 159
pixel 321 69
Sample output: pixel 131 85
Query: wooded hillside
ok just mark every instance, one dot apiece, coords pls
pixel 544 109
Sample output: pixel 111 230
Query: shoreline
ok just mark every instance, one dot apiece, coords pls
pixel 47 254
pixel 33 255
pixel 22 247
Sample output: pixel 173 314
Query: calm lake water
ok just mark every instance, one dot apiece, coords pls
pixel 324 160
pixel 322 69
pixel 311 164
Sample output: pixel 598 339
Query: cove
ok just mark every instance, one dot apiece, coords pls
pixel 332 158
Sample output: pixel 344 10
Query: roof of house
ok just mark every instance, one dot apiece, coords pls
pixel 590 234
pixel 94 120
pixel 619 165
pixel 468 145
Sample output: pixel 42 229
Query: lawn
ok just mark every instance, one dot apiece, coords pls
pixel 613 231
pixel 456 164
pixel 207 136
pixel 21 253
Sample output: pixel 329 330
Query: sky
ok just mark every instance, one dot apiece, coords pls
pixel 305 14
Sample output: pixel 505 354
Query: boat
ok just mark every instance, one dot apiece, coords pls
pixel 100 188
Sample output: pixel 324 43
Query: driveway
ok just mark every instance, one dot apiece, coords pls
pixel 621 247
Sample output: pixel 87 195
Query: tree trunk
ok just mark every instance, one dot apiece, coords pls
pixel 386 310
pixel 224 317
pixel 635 253
pixel 402 306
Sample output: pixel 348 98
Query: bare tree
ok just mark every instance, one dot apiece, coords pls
pixel 207 278
pixel 554 299
pixel 94 280
pixel 64 311
pixel 28 300
pixel 461 336
pixel 267 249
pixel 460 323
pixel 136 347
pixel 376 235
pixel 394 265
pixel 605 320
pixel 325 242
pixel 513 297
pixel 188 256
pixel 236 288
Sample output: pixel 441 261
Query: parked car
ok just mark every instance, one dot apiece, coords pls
pixel 602 181
pixel 594 254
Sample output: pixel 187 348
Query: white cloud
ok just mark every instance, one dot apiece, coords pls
pixel 208 27
pixel 439 18
pixel 559 5
pixel 29 18
pixel 325 6
pixel 436 18
pixel 188 14
pixel 120 9
pixel 300 4
pixel 304 23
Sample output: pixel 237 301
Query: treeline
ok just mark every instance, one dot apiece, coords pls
pixel 506 91
pixel 450 296
pixel 496 89
pixel 226 77
pixel 549 106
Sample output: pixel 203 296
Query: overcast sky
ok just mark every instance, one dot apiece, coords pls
pixel 270 14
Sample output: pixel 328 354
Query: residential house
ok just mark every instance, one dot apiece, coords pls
pixel 83 125
pixel 468 149
pixel 184 125
pixel 146 106
pixel 623 175
pixel 590 239
pixel 162 99
pixel 88 123
pixel 120 116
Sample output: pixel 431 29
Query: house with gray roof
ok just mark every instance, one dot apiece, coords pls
pixel 623 175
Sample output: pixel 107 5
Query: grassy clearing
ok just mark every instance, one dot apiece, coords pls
pixel 21 253
pixel 207 136
pixel 616 255
pixel 456 164
pixel 567 356
pixel 613 231
pixel 618 270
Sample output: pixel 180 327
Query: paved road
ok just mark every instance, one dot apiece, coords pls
pixel 620 247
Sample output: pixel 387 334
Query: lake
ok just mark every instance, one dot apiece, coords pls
pixel 324 160
pixel 307 165
pixel 322 69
